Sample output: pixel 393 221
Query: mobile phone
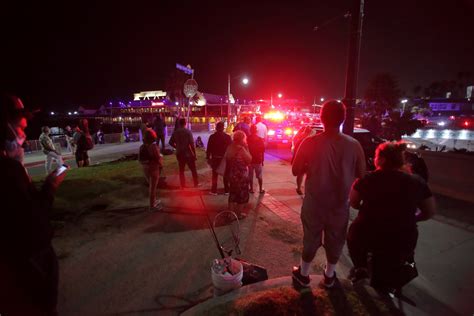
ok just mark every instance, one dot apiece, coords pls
pixel 61 169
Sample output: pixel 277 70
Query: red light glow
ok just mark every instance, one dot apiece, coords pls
pixel 274 116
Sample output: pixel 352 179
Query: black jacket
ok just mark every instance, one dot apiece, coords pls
pixel 217 145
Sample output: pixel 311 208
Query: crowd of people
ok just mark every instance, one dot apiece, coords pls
pixel 381 240
pixel 240 157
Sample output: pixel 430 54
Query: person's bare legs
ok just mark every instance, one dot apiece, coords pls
pixel 152 188
pixel 299 182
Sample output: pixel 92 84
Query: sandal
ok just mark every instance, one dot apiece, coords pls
pixel 299 191
pixel 262 191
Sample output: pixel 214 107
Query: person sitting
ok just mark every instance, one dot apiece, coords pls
pixel 199 142
pixel 386 225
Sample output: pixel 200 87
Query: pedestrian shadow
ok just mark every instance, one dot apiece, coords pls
pixel 179 219
pixel 307 299
pixel 366 295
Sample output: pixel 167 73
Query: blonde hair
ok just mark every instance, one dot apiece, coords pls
pixel 240 138
pixel 393 154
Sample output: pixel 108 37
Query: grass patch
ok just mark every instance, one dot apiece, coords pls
pixel 297 251
pixel 105 186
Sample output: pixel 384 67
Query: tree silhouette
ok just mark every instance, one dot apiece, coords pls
pixel 416 90
pixel 382 93
pixel 396 125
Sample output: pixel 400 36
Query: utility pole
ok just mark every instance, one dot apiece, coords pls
pixel 356 19
pixel 228 99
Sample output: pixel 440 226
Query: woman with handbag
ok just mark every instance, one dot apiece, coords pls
pixel 152 162
pixel 238 159
pixel 388 200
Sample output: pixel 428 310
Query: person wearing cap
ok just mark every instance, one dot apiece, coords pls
pixel 28 263
pixel 49 150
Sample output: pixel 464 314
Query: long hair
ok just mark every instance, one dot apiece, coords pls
pixel 84 126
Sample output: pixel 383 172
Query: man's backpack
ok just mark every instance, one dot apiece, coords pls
pixel 88 143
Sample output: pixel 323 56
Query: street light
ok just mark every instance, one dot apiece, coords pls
pixel 322 99
pixel 245 81
pixel 404 101
pixel 280 95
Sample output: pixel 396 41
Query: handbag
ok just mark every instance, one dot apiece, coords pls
pixel 221 168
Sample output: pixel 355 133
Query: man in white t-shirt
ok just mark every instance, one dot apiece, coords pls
pixel 331 161
pixel 261 128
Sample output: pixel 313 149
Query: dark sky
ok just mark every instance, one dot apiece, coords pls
pixel 63 54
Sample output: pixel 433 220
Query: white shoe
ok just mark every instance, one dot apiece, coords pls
pixel 157 206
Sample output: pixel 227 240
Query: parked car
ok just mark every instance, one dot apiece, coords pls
pixel 368 141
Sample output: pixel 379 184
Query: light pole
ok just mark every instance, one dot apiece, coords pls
pixel 245 81
pixel 404 101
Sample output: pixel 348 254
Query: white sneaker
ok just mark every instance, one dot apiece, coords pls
pixel 157 206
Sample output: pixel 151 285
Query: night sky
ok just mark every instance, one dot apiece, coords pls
pixel 58 55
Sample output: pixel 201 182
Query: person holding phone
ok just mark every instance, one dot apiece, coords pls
pixel 28 263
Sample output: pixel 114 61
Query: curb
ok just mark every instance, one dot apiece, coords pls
pixel 201 308
pixel 41 162
pixel 367 297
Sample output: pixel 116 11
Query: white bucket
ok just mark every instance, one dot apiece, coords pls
pixel 224 283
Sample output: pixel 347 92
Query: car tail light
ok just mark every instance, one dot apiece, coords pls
pixel 271 132
pixel 288 131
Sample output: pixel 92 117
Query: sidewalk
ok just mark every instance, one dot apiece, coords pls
pixel 100 153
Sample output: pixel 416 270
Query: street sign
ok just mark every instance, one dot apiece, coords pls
pixel 190 88
pixel 185 69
